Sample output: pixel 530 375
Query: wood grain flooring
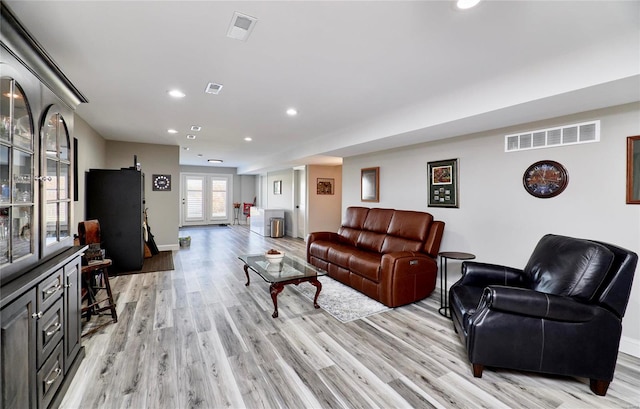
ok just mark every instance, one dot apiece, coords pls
pixel 197 337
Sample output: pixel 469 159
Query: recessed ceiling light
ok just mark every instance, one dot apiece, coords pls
pixel 292 112
pixel 191 137
pixel 466 4
pixel 196 128
pixel 176 93
pixel 172 131
pixel 214 160
pixel 248 139
pixel 213 88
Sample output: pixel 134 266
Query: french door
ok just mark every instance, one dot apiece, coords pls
pixel 206 199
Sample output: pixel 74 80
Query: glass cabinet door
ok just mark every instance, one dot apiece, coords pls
pixel 17 203
pixel 56 178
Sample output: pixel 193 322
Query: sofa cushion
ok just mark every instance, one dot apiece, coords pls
pixel 352 225
pixel 374 230
pixel 339 254
pixel 320 248
pixel 366 264
pixel 410 225
pixel 568 266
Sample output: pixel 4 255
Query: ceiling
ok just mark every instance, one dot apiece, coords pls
pixel 364 76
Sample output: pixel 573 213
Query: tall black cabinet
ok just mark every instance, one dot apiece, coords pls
pixel 116 199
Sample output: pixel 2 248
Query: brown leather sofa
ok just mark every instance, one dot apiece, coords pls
pixel 387 254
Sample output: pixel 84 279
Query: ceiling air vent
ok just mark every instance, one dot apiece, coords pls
pixel 213 88
pixel 548 138
pixel 241 26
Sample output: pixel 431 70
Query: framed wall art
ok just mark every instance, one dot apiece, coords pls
pixel 324 186
pixel 442 183
pixel 633 170
pixel 277 187
pixel 370 184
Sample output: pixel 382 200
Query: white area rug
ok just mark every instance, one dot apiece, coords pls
pixel 341 301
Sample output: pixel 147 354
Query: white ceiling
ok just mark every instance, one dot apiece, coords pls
pixel 363 75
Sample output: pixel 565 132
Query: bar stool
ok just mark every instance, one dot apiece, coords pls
pixel 95 275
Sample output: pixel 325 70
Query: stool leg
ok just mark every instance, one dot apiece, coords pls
pixel 112 304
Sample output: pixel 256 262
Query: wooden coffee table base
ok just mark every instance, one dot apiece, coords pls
pixel 276 288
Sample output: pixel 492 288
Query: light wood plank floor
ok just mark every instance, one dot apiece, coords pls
pixel 196 337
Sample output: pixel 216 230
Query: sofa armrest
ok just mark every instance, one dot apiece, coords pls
pixel 532 303
pixel 321 235
pixel 483 274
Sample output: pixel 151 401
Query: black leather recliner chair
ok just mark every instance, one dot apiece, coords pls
pixel 561 315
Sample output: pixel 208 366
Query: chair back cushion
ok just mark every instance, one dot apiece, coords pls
pixel 568 266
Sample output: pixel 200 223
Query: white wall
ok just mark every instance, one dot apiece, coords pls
pixel 92 154
pixel 497 220
pixel 281 201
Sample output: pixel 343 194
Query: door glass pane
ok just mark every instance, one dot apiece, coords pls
pixel 218 198
pixel 22 130
pixel 22 177
pixel 51 225
pixel 4 235
pixel 63 138
pixel 21 231
pixel 5 108
pixel 50 136
pixel 195 198
pixel 5 186
pixel 64 181
pixel 51 181
pixel 64 220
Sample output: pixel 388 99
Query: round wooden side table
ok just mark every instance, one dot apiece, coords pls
pixel 444 293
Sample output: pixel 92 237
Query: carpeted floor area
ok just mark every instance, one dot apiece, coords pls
pixel 162 261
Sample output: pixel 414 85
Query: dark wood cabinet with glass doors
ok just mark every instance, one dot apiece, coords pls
pixel 40 346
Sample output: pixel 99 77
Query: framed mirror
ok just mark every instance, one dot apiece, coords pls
pixel 633 169
pixel 370 184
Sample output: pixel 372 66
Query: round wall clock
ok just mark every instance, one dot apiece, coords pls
pixel 545 178
pixel 162 182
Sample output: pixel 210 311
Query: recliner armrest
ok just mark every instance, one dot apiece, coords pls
pixel 323 235
pixel 532 303
pixel 483 274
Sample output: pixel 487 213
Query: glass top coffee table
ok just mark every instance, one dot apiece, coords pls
pixel 291 270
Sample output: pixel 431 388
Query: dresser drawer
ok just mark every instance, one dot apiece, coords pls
pixel 50 376
pixel 49 330
pixel 50 290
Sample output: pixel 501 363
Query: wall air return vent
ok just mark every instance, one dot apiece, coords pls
pixel 241 26
pixel 547 138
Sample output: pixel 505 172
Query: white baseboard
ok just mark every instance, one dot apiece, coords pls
pixel 169 247
pixel 630 346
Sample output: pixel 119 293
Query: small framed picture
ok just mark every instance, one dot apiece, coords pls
pixel 277 187
pixel 324 186
pixel 442 183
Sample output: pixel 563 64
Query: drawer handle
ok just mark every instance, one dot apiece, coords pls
pixel 53 290
pixel 56 328
pixel 68 285
pixel 36 315
pixel 56 372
